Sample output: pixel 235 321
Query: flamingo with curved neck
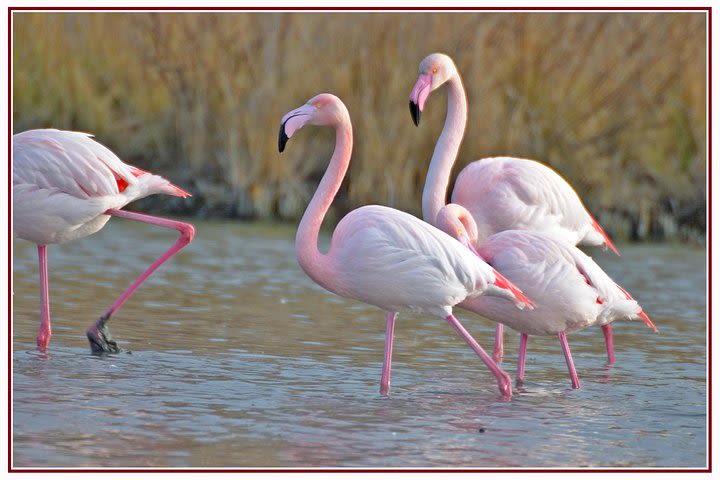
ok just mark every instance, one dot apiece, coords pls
pixel 571 291
pixel 385 257
pixel 501 193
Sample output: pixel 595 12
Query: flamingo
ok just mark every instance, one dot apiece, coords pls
pixel 501 193
pixel 569 289
pixel 385 257
pixel 67 186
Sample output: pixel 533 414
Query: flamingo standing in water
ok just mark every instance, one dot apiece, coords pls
pixel 386 257
pixel 67 186
pixel 501 193
pixel 570 291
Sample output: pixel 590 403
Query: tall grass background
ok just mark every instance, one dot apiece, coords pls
pixel 615 102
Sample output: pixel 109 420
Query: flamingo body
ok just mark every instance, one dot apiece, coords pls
pixel 395 261
pixel 63 182
pixel 569 289
pixel 506 193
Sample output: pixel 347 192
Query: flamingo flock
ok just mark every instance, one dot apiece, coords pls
pixel 505 248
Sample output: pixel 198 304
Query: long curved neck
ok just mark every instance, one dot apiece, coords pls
pixel 446 150
pixel 311 260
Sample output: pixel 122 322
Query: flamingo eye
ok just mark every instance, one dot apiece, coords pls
pixel 434 70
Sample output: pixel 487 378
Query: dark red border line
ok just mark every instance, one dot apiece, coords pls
pixel 707 9
pixel 709 236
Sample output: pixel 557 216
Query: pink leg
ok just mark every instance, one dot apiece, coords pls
pixel 568 359
pixel 521 359
pixel 607 330
pixel 98 333
pixel 387 360
pixel 498 352
pixel 43 338
pixel 503 378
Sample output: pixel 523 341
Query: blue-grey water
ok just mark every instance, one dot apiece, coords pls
pixel 234 358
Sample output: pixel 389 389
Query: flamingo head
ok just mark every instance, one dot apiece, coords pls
pixel 323 109
pixel 435 70
pixel 456 221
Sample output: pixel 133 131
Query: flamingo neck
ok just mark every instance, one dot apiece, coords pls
pixel 311 260
pixel 446 150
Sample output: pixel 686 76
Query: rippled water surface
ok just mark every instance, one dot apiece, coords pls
pixel 234 358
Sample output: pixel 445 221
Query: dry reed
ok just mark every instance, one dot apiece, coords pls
pixel 614 101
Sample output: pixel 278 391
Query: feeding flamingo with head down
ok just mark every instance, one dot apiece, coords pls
pixel 570 291
pixel 501 193
pixel 67 186
pixel 385 257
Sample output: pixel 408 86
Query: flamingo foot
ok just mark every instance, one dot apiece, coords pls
pixel 100 339
pixel 505 385
pixel 43 340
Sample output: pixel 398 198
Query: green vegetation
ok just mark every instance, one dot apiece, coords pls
pixel 613 101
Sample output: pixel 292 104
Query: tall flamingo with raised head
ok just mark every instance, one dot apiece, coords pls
pixel 385 257
pixel 569 289
pixel 67 186
pixel 501 193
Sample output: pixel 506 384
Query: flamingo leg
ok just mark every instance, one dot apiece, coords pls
pixel 499 351
pixel 503 378
pixel 568 359
pixel 521 359
pixel 43 338
pixel 607 331
pixel 387 359
pixel 98 333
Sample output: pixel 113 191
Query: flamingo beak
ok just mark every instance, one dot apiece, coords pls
pixel 282 138
pixel 415 113
pixel 292 122
pixel 418 96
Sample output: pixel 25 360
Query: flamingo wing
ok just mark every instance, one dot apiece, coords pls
pixel 68 162
pixel 396 261
pixel 505 193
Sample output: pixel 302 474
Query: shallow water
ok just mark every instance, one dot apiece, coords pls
pixel 234 358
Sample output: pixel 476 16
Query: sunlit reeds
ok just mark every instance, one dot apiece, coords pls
pixel 614 101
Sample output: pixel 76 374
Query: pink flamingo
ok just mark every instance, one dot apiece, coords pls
pixel 383 256
pixel 569 289
pixel 501 193
pixel 66 186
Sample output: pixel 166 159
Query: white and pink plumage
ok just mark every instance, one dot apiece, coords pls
pixel 66 186
pixel 570 291
pixel 501 193
pixel 385 257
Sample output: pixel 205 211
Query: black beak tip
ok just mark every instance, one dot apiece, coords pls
pixel 415 113
pixel 282 138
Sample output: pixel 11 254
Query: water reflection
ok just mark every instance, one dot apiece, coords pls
pixel 234 358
